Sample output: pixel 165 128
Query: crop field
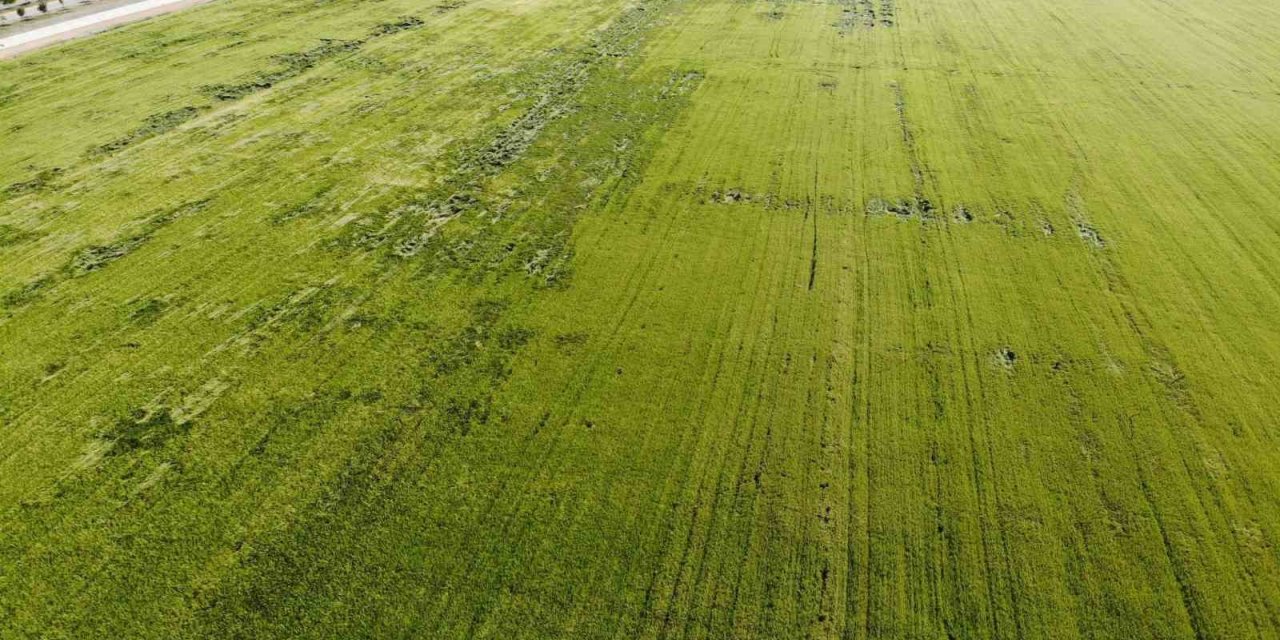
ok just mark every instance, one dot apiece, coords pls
pixel 648 319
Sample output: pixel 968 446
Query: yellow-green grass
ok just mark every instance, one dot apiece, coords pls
pixel 661 319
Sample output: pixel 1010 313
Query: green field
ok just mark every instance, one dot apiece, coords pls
pixel 651 319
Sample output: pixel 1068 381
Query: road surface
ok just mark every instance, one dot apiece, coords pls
pixel 82 20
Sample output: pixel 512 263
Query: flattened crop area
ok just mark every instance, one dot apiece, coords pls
pixel 647 319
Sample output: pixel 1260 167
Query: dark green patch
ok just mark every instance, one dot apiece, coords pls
pixel 480 241
pixel 460 415
pixel 144 429
pixel 95 257
pixel 11 235
pixel 570 342
pixel 39 182
pixel 463 348
pixel 52 369
pixel 148 312
pixel 316 203
pixel 292 65
pixel 153 126
pixel 400 24
pixel 27 292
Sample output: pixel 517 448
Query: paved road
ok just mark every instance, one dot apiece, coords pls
pixel 82 20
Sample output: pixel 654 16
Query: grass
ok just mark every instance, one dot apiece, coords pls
pixel 652 319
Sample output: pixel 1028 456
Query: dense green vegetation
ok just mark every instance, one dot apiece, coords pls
pixel 644 319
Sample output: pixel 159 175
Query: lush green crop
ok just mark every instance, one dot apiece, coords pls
pixel 644 319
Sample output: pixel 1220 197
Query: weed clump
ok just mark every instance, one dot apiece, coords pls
pixel 317 203
pixel 292 66
pixel 37 183
pixel 148 312
pixel 913 207
pixel 154 125
pixel 730 196
pixel 1090 235
pixel 570 342
pixel 28 292
pixel 96 257
pixel 402 23
pixel 143 429
pixel 297 63
pixel 11 235
pixel 1006 357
